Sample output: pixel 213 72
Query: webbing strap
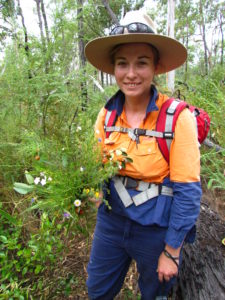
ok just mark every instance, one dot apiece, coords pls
pixel 142 197
pixel 152 133
pixel 108 114
pixel 146 195
pixel 169 120
pixel 123 193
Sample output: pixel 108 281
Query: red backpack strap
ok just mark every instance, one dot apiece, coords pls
pixel 166 123
pixel 110 119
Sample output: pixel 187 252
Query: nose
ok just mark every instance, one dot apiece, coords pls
pixel 131 72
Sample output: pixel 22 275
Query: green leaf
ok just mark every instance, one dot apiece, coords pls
pixel 37 269
pixel 23 188
pixel 20 191
pixel 29 178
pixel 8 217
pixel 2 255
pixel 19 253
pixel 3 239
pixel 128 159
pixel 64 161
pixel 25 269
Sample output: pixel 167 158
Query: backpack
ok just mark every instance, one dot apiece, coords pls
pixel 165 124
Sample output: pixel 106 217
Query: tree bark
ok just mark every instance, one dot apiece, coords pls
pixel 171 16
pixel 83 84
pixel 45 21
pixel 202 272
pixel 204 37
pixel 222 38
pixel 38 2
pixel 20 12
pixel 110 12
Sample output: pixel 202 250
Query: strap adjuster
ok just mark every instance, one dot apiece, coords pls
pixel 139 131
pixel 168 135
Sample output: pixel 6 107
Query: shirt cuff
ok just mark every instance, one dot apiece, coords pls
pixel 175 238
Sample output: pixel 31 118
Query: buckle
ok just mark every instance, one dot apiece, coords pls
pixel 139 131
pixel 168 135
pixel 130 183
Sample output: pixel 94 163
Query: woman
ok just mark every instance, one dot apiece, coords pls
pixel 149 229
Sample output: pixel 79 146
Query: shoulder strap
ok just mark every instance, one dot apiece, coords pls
pixel 166 123
pixel 110 120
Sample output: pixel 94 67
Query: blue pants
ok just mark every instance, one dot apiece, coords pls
pixel 118 240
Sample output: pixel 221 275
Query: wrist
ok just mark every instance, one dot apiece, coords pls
pixel 175 259
pixel 173 251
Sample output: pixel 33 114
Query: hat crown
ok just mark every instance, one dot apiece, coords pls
pixel 137 16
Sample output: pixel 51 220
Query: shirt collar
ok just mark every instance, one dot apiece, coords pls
pixel 117 101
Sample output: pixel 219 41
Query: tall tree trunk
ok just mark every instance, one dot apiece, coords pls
pixel 81 52
pixel 110 12
pixel 202 271
pixel 171 16
pixel 222 38
pixel 45 21
pixel 38 2
pixel 20 12
pixel 204 37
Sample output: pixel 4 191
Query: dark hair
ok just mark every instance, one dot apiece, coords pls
pixel 117 47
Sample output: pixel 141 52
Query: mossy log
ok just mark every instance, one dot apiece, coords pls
pixel 202 275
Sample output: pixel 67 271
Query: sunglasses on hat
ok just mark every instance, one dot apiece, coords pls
pixel 132 28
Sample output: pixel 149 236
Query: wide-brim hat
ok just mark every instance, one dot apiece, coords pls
pixel 172 53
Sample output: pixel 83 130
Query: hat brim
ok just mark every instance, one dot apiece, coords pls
pixel 172 53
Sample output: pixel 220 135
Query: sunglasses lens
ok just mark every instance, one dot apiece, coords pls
pixel 132 28
pixel 117 30
pixel 138 28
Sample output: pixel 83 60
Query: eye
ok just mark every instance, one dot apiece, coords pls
pixel 142 62
pixel 121 63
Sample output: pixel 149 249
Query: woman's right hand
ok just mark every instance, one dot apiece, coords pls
pixel 98 200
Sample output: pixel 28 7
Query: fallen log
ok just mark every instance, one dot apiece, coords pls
pixel 202 275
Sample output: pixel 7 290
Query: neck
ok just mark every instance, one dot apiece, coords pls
pixel 136 104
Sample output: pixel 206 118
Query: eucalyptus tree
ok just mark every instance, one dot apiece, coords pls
pixel 7 14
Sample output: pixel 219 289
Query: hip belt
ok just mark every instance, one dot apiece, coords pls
pixel 148 190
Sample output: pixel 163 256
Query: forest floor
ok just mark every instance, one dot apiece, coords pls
pixel 77 260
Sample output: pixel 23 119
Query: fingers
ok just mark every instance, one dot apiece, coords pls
pixel 163 277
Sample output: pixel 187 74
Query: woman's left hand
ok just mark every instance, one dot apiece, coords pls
pixel 166 266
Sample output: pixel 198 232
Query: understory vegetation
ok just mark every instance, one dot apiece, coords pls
pixel 49 163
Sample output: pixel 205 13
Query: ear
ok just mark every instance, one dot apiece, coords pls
pixel 157 67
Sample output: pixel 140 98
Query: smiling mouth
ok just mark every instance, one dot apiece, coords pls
pixel 131 84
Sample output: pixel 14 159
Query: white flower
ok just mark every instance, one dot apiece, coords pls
pixel 36 180
pixel 78 128
pixel 63 149
pixel 81 169
pixel 118 152
pixel 43 181
pixel 97 131
pixel 123 149
pixel 49 178
pixel 42 174
pixel 111 156
pixel 120 167
pixel 77 202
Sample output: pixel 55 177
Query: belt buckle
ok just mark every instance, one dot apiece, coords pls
pixel 131 183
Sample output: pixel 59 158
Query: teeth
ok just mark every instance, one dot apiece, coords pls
pixel 132 84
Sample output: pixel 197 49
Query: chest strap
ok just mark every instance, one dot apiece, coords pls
pixel 133 133
pixel 148 191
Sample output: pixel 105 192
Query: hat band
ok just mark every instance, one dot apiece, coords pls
pixel 135 27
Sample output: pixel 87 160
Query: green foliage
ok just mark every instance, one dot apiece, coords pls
pixel 49 162
pixel 23 263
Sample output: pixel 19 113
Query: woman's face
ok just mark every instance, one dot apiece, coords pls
pixel 134 69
